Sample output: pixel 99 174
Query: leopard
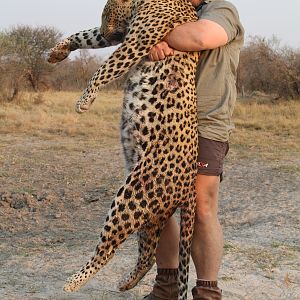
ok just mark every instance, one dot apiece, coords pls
pixel 111 33
pixel 158 132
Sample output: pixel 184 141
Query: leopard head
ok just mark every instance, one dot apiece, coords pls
pixel 115 18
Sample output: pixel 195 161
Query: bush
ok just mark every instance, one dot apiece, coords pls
pixel 269 68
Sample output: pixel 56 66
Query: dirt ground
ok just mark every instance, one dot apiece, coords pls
pixel 54 195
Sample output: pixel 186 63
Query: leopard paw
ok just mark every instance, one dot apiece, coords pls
pixel 60 52
pixel 84 103
pixel 131 280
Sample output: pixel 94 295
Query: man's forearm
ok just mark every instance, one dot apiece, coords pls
pixel 184 38
pixel 197 36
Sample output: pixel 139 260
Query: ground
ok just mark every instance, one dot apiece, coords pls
pixel 58 175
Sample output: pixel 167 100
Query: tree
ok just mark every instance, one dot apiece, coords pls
pixel 25 49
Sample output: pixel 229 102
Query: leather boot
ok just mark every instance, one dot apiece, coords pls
pixel 206 290
pixel 165 287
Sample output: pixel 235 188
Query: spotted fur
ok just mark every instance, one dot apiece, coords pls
pixel 159 137
pixel 87 39
pixel 113 31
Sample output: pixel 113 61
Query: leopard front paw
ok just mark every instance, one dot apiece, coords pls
pixel 84 104
pixel 60 52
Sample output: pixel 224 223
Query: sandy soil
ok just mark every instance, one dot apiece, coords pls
pixel 54 195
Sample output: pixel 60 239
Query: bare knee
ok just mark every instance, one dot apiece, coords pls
pixel 207 188
pixel 205 215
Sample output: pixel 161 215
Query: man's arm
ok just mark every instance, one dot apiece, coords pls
pixel 195 36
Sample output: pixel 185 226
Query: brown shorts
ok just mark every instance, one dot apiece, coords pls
pixel 211 155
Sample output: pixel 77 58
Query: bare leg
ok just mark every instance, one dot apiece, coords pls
pixel 168 246
pixel 167 260
pixel 207 247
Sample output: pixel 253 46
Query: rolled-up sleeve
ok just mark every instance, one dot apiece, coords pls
pixel 225 14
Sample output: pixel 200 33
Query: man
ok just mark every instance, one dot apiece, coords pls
pixel 219 35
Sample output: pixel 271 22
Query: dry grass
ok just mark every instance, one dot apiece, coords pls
pixel 269 130
pixel 264 258
pixel 52 114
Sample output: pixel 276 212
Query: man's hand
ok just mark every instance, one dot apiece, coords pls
pixel 160 51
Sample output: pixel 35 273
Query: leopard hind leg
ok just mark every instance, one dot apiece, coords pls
pixel 126 216
pixel 148 238
pixel 118 226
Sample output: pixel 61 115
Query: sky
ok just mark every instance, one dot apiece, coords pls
pixel 259 17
